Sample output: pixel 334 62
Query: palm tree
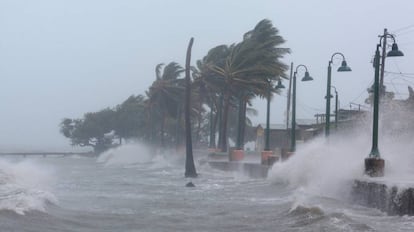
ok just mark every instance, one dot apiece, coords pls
pixel 209 85
pixel 250 66
pixel 165 94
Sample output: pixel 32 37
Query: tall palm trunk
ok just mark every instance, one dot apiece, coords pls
pixel 212 143
pixel 151 128
pixel 177 128
pixel 226 108
pixel 162 130
pixel 241 123
pixel 220 121
pixel 190 170
pixel 199 119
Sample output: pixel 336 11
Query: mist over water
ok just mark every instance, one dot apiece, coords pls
pixel 134 188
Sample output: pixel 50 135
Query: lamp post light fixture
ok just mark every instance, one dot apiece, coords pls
pixel 267 152
pixel 374 164
pixel 307 77
pixel 343 68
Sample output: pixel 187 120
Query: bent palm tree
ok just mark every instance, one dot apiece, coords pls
pixel 250 66
pixel 165 93
pixel 209 85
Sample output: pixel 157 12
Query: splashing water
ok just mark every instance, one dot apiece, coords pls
pixel 327 167
pixel 127 154
pixel 131 154
pixel 24 186
pixel 321 168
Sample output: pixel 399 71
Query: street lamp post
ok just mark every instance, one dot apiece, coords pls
pixel 267 152
pixel 343 68
pixel 336 108
pixel 307 77
pixel 374 165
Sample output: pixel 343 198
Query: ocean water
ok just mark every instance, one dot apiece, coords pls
pixel 128 189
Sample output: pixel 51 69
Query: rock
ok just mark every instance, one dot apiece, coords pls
pixel 190 184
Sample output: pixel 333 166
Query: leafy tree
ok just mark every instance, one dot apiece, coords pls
pixel 94 130
pixel 130 118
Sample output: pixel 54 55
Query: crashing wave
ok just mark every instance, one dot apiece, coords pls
pixel 23 187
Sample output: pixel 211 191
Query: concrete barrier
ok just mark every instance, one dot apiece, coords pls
pixel 253 170
pixel 388 198
pixel 236 155
pixel 218 156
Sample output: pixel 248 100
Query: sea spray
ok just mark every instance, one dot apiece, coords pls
pixel 130 154
pixel 25 186
pixel 126 154
pixel 328 166
pixel 322 167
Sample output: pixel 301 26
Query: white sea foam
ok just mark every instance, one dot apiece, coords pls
pixel 25 186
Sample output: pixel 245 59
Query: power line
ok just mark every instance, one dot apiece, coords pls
pixel 399 73
pixel 405 32
pixel 402 29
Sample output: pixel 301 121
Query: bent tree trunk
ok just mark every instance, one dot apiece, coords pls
pixel 190 170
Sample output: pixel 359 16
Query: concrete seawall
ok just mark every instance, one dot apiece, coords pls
pixel 253 170
pixel 384 196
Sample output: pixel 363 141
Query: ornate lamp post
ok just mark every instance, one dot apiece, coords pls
pixel 307 77
pixel 344 68
pixel 374 165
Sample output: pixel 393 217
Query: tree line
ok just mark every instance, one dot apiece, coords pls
pixel 223 84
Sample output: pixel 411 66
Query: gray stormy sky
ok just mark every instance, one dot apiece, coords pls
pixel 64 58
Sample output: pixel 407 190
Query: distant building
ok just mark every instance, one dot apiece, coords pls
pixel 307 129
pixel 280 135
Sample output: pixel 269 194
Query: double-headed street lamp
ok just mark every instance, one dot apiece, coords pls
pixel 307 77
pixel 374 165
pixel 343 68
